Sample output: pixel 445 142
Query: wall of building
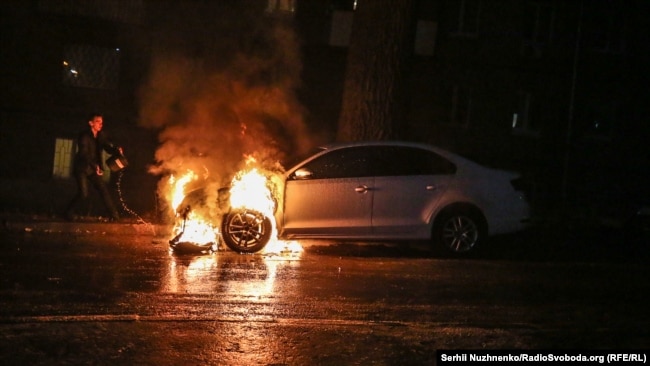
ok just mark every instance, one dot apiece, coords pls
pixel 580 75
pixel 41 103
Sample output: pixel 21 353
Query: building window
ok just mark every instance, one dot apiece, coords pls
pixel 91 67
pixel 522 118
pixel 63 155
pixel 465 18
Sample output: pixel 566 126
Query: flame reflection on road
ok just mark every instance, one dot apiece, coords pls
pixel 250 277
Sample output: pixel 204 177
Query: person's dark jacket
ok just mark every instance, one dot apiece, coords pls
pixel 89 151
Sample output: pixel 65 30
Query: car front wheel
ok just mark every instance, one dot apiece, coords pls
pixel 246 231
pixel 459 230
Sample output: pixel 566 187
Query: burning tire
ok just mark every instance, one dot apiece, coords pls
pixel 246 231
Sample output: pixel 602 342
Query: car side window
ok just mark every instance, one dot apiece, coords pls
pixel 403 160
pixel 341 163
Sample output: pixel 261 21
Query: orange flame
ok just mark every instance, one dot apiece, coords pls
pixel 193 229
pixel 253 190
pixel 196 230
pixel 250 190
pixel 177 192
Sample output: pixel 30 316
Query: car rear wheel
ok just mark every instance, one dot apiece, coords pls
pixel 246 231
pixel 459 230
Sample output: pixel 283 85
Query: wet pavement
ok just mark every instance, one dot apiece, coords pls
pixel 104 293
pixel 83 225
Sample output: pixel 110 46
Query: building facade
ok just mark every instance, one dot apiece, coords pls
pixel 555 89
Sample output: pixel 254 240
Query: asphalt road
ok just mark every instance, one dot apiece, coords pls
pixel 101 297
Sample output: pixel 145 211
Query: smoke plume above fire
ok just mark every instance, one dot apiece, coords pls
pixel 222 87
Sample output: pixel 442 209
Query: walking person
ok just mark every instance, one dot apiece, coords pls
pixel 88 167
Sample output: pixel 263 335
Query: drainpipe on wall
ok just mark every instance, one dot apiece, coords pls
pixel 574 77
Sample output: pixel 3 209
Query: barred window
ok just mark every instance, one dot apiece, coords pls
pixel 63 154
pixel 91 67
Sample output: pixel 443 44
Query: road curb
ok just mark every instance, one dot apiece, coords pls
pixel 87 228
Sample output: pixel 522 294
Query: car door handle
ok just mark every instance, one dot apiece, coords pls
pixel 431 187
pixel 361 189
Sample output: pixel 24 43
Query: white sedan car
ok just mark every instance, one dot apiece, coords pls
pixel 388 191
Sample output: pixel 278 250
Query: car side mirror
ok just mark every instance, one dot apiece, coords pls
pixel 302 173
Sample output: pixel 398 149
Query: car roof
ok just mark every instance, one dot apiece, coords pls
pixel 443 152
pixel 336 145
pixel 463 164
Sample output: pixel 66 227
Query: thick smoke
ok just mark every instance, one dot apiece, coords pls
pixel 222 87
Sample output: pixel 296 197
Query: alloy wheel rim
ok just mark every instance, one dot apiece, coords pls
pixel 460 234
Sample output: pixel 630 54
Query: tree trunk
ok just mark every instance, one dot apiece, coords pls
pixel 381 44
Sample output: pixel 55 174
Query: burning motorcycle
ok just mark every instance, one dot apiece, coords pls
pixel 188 243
